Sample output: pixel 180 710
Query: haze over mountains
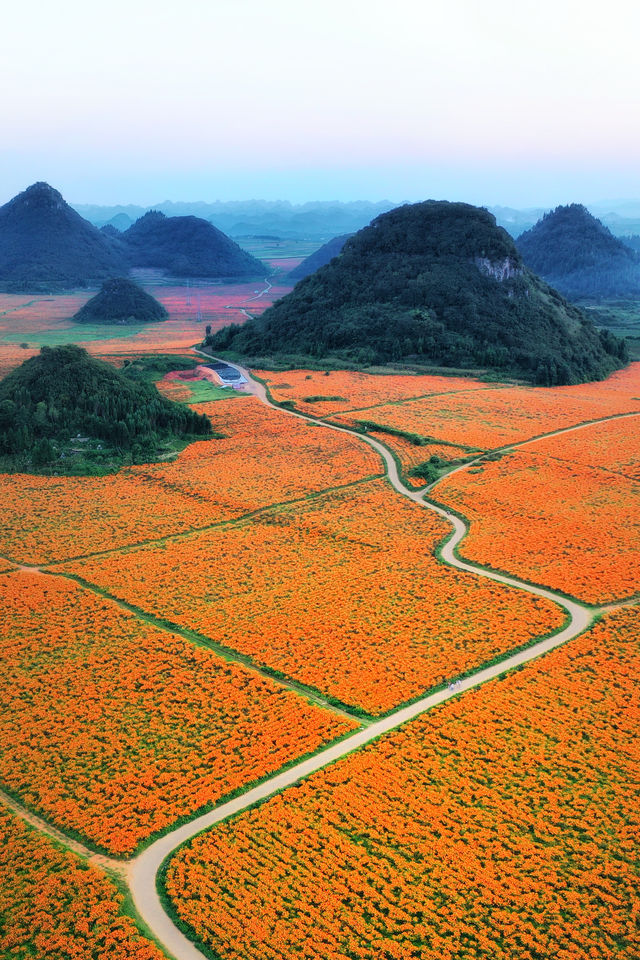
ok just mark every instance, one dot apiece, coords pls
pixel 321 220
pixel 434 283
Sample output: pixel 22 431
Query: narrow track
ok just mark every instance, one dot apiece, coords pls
pixel 143 871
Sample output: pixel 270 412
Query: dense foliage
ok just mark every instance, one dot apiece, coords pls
pixel 42 240
pixel 576 253
pixel 435 282
pixel 319 258
pixel 186 247
pixel 121 301
pixel 62 400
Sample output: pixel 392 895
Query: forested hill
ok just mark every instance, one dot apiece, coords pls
pixel 435 283
pixel 186 247
pixel 576 253
pixel 319 257
pixel 56 406
pixel 43 241
pixel 121 301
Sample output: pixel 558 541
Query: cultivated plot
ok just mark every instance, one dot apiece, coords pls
pixel 114 729
pixel 265 457
pixel 342 593
pixel 55 905
pixel 570 527
pixel 502 825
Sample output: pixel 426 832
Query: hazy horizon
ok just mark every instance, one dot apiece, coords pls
pixel 494 104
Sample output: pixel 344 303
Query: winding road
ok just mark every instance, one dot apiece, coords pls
pixel 143 870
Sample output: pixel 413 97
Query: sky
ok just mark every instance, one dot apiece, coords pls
pixel 513 102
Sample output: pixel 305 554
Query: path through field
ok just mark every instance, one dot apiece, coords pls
pixel 144 868
pixel 142 871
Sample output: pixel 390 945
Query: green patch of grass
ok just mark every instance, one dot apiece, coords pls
pixel 75 334
pixel 317 398
pixel 203 391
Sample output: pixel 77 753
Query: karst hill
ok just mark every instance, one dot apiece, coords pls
pixel 578 255
pixel 433 283
pixel 319 258
pixel 121 301
pixel 65 411
pixel 186 247
pixel 44 241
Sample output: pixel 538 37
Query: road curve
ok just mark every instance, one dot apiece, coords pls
pixel 144 868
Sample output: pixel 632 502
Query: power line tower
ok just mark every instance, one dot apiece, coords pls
pixel 199 316
pixel 188 294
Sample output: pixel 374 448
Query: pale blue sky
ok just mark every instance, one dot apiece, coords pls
pixel 521 103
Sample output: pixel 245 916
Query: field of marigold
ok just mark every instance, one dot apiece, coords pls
pixel 114 729
pixel 500 825
pixel 613 446
pixel 567 526
pixel 55 906
pixel 265 457
pixel 502 416
pixel 324 394
pixel 341 593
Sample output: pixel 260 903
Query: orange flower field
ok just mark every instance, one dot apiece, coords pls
pixel 342 593
pixel 503 415
pixel 570 527
pixel 502 825
pixel 114 729
pixel 55 906
pixel 357 390
pixel 613 445
pixel 265 457
pixel 410 455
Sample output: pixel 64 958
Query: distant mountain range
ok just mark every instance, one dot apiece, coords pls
pixel 321 220
pixel 431 283
pixel 315 221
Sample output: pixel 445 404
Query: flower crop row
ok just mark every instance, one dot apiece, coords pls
pixel 503 825
pixel 115 729
pixel 265 457
pixel 54 906
pixel 342 593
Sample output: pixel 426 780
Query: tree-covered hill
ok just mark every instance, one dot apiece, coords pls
pixel 44 241
pixel 121 301
pixel 434 283
pixel 319 258
pixel 64 411
pixel 186 247
pixel 577 254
